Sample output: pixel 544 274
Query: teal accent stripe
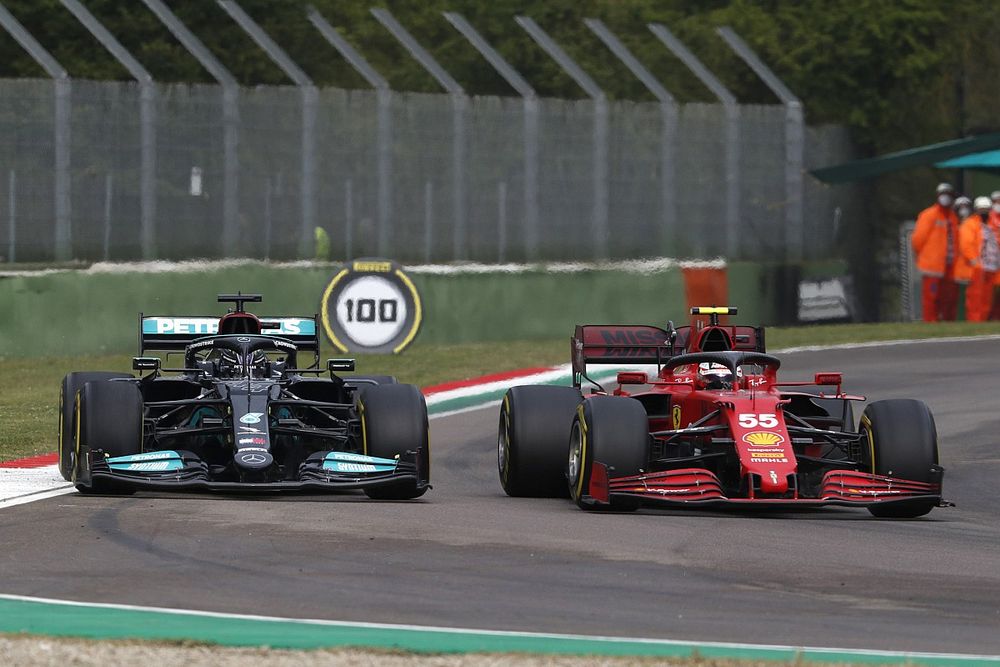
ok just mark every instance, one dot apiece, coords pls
pixel 58 618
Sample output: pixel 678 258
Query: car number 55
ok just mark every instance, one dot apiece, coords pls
pixel 763 420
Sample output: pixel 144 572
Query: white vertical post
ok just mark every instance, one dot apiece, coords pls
pixel 428 221
pixel 501 221
pixel 12 217
pixel 108 194
pixel 348 220
pixel 599 223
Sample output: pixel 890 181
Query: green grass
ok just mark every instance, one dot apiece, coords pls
pixel 29 390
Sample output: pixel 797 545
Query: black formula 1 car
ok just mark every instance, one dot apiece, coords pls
pixel 715 426
pixel 238 414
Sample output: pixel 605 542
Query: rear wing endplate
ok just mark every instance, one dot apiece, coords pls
pixel 168 333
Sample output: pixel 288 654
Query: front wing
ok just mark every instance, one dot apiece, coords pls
pixel 194 475
pixel 700 487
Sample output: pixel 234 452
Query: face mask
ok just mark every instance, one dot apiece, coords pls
pixel 984 216
pixel 964 212
pixel 945 200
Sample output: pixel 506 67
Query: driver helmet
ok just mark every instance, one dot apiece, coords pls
pixel 228 363
pixel 715 376
pixel 258 365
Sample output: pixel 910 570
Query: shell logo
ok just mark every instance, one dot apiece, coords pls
pixel 763 438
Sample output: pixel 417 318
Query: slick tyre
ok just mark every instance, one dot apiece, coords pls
pixel 531 440
pixel 393 422
pixel 613 430
pixel 109 418
pixel 900 441
pixel 71 384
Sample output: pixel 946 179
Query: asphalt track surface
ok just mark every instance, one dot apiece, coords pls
pixel 468 556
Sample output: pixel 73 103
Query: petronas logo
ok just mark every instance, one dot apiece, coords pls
pixel 763 438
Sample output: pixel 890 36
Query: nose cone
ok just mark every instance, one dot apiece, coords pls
pixel 254 459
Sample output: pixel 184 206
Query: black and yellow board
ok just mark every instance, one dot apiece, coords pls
pixel 371 307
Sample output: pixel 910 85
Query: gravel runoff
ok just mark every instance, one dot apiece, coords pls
pixel 30 651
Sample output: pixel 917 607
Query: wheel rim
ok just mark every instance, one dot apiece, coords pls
pixel 573 465
pixel 503 448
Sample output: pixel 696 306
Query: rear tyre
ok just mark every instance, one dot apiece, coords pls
pixel 613 430
pixel 901 442
pixel 531 440
pixel 109 418
pixel 71 384
pixel 393 422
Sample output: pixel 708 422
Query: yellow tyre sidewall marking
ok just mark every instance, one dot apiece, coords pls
pixel 364 428
pixel 582 473
pixel 505 463
pixel 867 423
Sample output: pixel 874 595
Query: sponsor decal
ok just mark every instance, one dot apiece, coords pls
pixel 675 412
pixel 251 418
pixel 207 326
pixel 243 339
pixel 249 429
pixel 252 441
pixel 165 454
pixel 763 439
pixel 372 266
pixel 355 467
pixel 371 306
pixel 252 458
pixel 253 449
pixel 767 458
pixel 774 477
pixel 153 466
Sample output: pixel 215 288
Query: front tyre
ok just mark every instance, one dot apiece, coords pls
pixel 393 422
pixel 108 418
pixel 72 383
pixel 531 440
pixel 901 441
pixel 613 430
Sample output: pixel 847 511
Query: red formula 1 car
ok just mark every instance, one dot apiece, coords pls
pixel 715 426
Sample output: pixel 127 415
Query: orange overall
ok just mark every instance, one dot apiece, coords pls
pixel 935 242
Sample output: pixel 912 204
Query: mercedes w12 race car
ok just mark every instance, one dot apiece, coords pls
pixel 715 426
pixel 237 413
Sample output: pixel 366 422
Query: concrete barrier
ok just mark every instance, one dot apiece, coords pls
pixel 95 310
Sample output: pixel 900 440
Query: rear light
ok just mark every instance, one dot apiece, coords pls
pixel 829 378
pixel 632 377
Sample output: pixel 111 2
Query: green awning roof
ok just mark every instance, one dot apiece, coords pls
pixel 912 157
pixel 986 160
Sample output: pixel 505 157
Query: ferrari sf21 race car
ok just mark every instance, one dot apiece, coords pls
pixel 715 426
pixel 238 414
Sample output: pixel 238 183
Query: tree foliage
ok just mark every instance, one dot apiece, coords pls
pixel 898 73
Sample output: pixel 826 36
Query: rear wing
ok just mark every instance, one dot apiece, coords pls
pixel 620 344
pixel 167 333
pixel 643 344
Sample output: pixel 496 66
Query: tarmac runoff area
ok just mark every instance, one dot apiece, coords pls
pixel 448 645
